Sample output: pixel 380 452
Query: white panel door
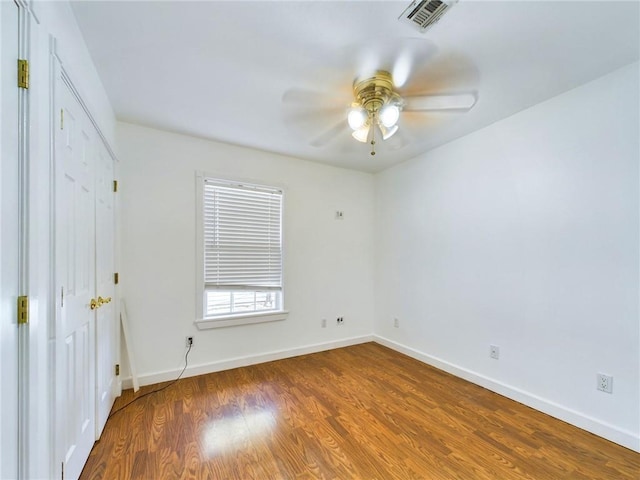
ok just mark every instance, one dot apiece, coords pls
pixel 106 330
pixel 75 269
pixel 9 239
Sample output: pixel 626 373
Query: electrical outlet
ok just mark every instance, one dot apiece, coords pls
pixel 396 323
pixel 605 383
pixel 340 320
pixel 494 352
pixel 189 341
pixel 324 323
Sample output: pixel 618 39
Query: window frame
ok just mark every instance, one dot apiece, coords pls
pixel 202 321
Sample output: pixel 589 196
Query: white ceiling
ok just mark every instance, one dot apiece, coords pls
pixel 219 70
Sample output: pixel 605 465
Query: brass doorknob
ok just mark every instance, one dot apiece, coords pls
pixel 100 301
pixel 107 300
pixel 93 304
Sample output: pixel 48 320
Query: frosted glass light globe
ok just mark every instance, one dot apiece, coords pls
pixel 362 134
pixel 389 115
pixel 357 118
pixel 388 133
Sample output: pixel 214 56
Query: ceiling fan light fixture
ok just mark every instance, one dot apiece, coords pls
pixel 389 115
pixel 361 134
pixel 376 108
pixel 357 118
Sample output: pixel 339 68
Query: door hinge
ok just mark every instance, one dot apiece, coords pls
pixel 61 297
pixel 115 185
pixel 62 119
pixel 62 472
pixel 117 369
pixel 23 73
pixel 116 278
pixel 23 309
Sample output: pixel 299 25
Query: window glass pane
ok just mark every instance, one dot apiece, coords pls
pixel 265 300
pixel 219 302
pixel 244 302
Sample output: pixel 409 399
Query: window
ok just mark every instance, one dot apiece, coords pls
pixel 241 252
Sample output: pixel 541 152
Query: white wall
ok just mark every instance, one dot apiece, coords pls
pixel 525 235
pixel 328 266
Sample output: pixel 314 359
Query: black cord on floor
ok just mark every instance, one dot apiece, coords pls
pixel 186 362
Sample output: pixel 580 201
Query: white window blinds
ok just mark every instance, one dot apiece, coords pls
pixel 242 237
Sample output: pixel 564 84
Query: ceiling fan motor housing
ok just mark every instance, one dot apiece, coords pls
pixel 374 92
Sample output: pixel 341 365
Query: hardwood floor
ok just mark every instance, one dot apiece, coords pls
pixel 362 412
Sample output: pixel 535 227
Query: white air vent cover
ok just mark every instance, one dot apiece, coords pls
pixel 423 14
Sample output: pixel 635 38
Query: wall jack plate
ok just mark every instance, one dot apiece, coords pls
pixel 494 352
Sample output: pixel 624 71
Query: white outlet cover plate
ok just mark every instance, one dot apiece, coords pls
pixel 605 383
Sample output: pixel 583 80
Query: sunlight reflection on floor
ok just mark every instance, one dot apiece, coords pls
pixel 236 431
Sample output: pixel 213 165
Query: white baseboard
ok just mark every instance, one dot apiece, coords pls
pixel 610 432
pixel 204 368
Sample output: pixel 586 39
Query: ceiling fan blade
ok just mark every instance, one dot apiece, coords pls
pixel 399 56
pixel 446 72
pixel 313 98
pixel 460 102
pixel 301 102
pixel 410 55
pixel 329 135
pixel 307 113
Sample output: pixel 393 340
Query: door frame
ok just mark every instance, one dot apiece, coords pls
pixel 33 394
pixel 25 18
pixel 12 401
pixel 23 244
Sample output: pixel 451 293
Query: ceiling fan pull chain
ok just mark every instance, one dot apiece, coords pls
pixel 373 134
pixel 372 127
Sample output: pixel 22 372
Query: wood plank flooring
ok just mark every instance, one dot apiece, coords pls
pixel 361 412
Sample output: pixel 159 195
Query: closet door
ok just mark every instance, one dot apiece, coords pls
pixel 106 326
pixel 76 272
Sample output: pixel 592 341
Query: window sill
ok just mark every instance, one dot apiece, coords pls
pixel 245 319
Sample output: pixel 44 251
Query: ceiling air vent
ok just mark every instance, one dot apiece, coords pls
pixel 423 14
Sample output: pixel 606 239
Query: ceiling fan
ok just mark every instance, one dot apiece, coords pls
pixel 396 82
pixel 402 88
pixel 376 108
